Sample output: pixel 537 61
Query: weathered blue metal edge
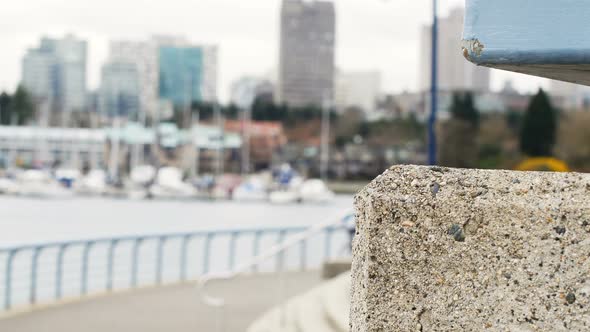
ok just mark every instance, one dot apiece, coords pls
pixel 533 57
pixel 527 32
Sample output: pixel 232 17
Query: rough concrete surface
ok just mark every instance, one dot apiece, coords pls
pixel 441 249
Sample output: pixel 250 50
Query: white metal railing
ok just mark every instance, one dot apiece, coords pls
pixel 276 251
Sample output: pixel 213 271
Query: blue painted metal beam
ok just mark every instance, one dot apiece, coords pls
pixel 545 38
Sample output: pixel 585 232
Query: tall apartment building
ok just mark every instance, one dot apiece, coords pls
pixel 358 89
pixel 120 90
pixel 40 74
pixel 454 71
pixel 145 57
pixel 170 71
pixel 187 73
pixel 57 70
pixel 306 64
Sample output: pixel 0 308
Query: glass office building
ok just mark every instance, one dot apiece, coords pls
pixel 120 90
pixel 182 74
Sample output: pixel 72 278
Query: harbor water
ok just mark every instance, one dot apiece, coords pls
pixel 34 222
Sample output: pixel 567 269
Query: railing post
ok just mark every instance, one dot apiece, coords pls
pixel 135 262
pixel 232 250
pixel 34 268
pixel 281 255
pixel 183 257
pixel 110 264
pixel 59 271
pixel 84 274
pixel 303 254
pixel 328 244
pixel 159 260
pixel 256 248
pixel 206 253
pixel 8 279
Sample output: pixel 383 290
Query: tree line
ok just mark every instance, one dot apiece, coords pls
pixel 262 110
pixel 18 108
pixel 535 130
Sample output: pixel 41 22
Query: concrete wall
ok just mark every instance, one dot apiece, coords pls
pixel 440 249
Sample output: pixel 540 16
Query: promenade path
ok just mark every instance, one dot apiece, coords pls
pixel 175 308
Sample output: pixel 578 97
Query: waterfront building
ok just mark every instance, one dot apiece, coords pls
pixel 145 57
pixel 56 70
pixel 120 91
pixel 307 42
pixel 266 139
pixel 49 145
pixel 187 73
pixel 40 74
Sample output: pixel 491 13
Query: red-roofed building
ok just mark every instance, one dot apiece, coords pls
pixel 266 138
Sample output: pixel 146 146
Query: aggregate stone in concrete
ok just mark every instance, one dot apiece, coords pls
pixel 441 249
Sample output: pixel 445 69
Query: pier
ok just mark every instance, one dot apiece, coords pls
pixel 169 308
pixel 204 281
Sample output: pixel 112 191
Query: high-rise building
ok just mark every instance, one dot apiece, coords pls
pixel 120 91
pixel 145 57
pixel 306 64
pixel 40 74
pixel 358 89
pixel 454 71
pixel 57 70
pixel 187 73
pixel 170 71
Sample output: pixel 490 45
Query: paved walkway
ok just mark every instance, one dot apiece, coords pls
pixel 167 309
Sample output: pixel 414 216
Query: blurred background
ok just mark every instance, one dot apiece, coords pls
pixel 150 118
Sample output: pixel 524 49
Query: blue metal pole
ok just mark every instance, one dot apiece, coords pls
pixel 432 144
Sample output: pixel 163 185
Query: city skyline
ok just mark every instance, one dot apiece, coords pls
pixel 242 31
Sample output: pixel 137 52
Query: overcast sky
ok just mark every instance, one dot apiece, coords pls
pixel 372 34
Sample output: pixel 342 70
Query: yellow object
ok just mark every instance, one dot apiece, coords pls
pixel 543 164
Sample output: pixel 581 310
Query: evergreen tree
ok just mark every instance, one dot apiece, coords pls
pixel 5 108
pixel 458 136
pixel 23 106
pixel 463 108
pixel 538 133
